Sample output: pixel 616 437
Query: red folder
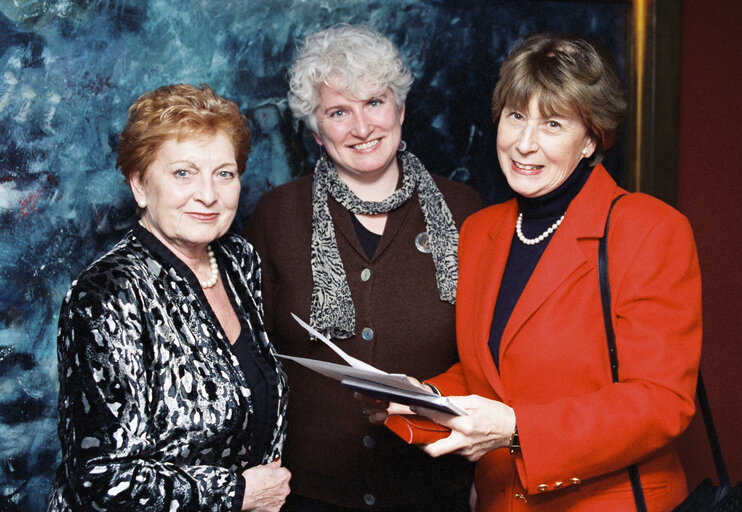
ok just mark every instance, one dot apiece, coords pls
pixel 415 429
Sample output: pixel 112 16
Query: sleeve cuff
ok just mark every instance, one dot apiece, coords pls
pixel 239 492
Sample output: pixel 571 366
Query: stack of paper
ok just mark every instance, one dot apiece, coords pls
pixel 370 381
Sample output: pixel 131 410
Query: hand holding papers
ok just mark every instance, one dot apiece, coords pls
pixel 371 381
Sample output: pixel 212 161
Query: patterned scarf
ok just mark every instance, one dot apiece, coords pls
pixel 332 311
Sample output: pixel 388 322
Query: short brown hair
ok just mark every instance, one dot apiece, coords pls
pixel 568 75
pixel 178 111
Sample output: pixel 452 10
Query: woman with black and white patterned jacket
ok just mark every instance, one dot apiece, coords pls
pixel 171 397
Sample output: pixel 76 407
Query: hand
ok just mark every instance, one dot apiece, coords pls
pixel 488 425
pixel 378 410
pixel 266 487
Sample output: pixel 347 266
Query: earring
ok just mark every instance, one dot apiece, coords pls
pixel 323 153
pixel 142 204
pixel 402 146
pixel 584 152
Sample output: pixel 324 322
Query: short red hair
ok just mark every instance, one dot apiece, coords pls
pixel 179 111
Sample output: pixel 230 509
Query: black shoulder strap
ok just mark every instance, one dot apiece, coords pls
pixel 605 293
pixel 708 420
pixel 605 299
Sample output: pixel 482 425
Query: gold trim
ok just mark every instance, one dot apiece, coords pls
pixel 652 119
pixel 640 55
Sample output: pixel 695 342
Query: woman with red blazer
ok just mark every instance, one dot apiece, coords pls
pixel 549 429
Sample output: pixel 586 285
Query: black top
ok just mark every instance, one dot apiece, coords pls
pixel 261 380
pixel 539 213
pixel 369 240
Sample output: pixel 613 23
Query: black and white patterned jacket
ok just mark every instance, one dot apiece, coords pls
pixel 154 410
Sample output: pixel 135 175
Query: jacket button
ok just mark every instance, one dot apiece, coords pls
pixel 366 274
pixel 521 498
pixel 367 334
pixel 368 441
pixel 369 499
pixel 542 488
pixel 575 481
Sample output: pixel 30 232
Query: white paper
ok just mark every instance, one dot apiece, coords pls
pixel 358 371
pixel 355 363
pixel 339 371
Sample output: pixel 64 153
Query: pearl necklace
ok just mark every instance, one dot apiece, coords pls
pixel 213 265
pixel 541 237
pixel 211 281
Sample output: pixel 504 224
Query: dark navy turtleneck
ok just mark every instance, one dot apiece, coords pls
pixel 539 213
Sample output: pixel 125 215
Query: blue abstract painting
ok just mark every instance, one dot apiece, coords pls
pixel 70 68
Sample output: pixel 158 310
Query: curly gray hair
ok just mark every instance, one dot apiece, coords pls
pixel 357 56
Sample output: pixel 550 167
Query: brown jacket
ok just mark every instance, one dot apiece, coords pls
pixel 334 454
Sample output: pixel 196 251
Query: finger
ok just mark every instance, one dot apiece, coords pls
pixel 442 418
pixel 378 415
pixel 395 408
pixel 450 444
pixel 378 418
pixel 417 383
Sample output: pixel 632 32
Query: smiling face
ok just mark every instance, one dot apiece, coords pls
pixel 538 153
pixel 192 189
pixel 360 135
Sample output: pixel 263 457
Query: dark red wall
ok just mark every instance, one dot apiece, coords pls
pixel 710 194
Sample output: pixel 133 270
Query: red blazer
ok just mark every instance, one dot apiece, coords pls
pixel 579 431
